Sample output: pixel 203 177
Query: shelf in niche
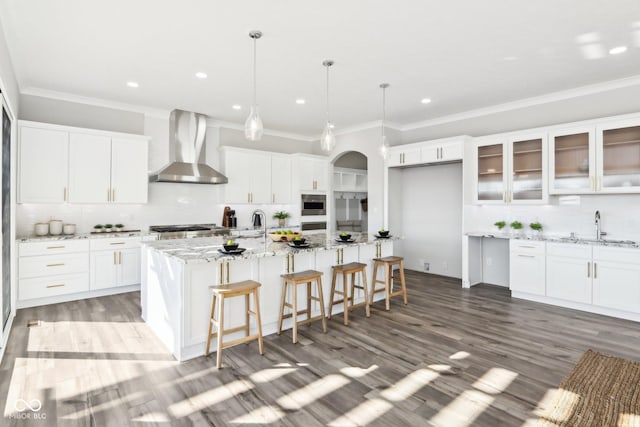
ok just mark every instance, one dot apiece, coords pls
pixel 579 147
pixel 486 156
pixel 572 175
pixel 621 172
pixel 613 144
pixel 539 150
pixel 528 170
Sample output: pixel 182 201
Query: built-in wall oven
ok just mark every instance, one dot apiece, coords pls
pixel 313 204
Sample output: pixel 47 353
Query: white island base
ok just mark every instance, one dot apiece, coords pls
pixel 176 296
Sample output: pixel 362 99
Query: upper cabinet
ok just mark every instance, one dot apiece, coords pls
pixel 403 156
pixel 572 161
pixel 428 152
pixel 280 179
pixel 512 170
pixel 618 157
pixel 350 180
pixel 311 173
pixel 60 164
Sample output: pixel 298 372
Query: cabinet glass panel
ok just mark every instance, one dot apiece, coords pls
pixel 527 170
pixel 621 157
pixel 571 169
pixel 490 178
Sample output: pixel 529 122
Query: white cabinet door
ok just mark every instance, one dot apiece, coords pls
pixel 527 169
pixel 259 171
pixel 394 158
pixel 312 173
pixel 572 161
pixel 237 190
pixel 103 270
pixel 43 170
pixel 451 151
pixel 616 285
pixel 569 278
pixel 280 179
pixel 411 156
pixel 527 273
pixel 491 172
pixel 618 157
pixel 89 168
pixel 129 171
pixel 129 267
pixel 321 172
pixel 430 154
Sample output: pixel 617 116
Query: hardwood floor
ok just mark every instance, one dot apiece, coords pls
pixel 452 357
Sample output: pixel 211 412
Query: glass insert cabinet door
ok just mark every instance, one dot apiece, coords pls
pixel 527 177
pixel 572 161
pixel 491 186
pixel 619 159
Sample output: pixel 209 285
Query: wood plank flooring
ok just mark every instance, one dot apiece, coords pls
pixel 452 357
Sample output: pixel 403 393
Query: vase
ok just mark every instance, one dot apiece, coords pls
pixel 281 222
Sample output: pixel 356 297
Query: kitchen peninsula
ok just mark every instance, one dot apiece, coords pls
pixel 177 274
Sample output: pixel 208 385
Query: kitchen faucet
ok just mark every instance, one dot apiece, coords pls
pixel 599 232
pixel 264 223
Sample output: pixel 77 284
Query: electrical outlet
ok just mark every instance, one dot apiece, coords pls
pixel 489 262
pixel 426 266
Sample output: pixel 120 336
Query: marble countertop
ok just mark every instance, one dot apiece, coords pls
pixel 207 249
pixel 80 236
pixel 558 239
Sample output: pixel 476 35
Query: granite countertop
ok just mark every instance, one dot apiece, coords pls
pixel 206 249
pixel 558 239
pixel 81 236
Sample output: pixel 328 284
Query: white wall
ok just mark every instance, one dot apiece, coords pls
pixel 427 210
pixel 8 80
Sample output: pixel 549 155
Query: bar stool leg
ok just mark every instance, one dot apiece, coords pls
pixel 387 285
pixel 366 292
pixel 211 318
pixel 324 318
pixel 295 313
pixel 282 301
pixel 402 282
pixel 220 331
pixel 247 320
pixel 345 298
pixel 309 301
pixel 333 290
pixel 373 281
pixel 256 301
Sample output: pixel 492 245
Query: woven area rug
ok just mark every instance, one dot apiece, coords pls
pixel 600 391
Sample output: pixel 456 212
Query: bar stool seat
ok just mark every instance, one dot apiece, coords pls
pixel 346 270
pixel 387 263
pixel 218 296
pixel 295 279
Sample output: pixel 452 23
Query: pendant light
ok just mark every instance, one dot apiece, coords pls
pixel 253 125
pixel 384 147
pixel 328 139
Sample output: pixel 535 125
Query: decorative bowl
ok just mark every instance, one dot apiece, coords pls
pixel 383 233
pixel 299 241
pixel 284 237
pixel 229 248
pixel 345 237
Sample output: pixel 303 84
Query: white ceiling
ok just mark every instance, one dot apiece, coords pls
pixel 464 55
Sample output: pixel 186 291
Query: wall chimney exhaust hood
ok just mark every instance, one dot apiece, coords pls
pixel 187 132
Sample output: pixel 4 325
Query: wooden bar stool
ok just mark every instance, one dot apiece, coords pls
pixel 295 279
pixel 347 270
pixel 387 263
pixel 218 295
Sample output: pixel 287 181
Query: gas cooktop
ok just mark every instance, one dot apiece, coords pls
pixel 184 231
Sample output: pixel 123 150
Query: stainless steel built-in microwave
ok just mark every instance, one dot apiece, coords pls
pixel 314 204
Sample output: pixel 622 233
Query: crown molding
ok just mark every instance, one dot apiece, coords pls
pixel 212 122
pixel 527 102
pixel 366 126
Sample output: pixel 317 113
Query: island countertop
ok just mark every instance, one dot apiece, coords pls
pixel 207 249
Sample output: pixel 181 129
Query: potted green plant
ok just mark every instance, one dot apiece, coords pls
pixel 98 228
pixel 516 226
pixel 119 227
pixel 281 216
pixel 500 225
pixel 537 227
pixel 108 228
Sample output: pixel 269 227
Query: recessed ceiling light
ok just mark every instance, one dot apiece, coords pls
pixel 425 100
pixel 510 58
pixel 300 101
pixel 132 84
pixel 201 75
pixel 618 49
pixel 236 107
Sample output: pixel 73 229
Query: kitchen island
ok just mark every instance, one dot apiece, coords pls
pixel 176 275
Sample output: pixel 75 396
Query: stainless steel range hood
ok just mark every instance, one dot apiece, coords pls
pixel 187 132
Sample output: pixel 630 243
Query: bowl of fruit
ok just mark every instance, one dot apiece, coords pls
pixel 383 233
pixel 298 240
pixel 345 236
pixel 284 236
pixel 230 246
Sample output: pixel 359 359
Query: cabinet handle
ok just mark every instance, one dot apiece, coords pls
pixel 227 271
pixel 595 270
pixel 65 194
pixel 221 281
pixel 588 269
pixel 591 183
pixel 288 263
pixel 341 255
pixel 504 196
pixel 526 256
pixel 55 247
pixel 248 197
pixel 115 258
pixel 117 243
pixel 273 198
pixel 600 183
pixel 293 263
pixel 108 195
pixel 528 247
pixel 113 195
pixel 55 286
pixel 56 265
pixel 120 257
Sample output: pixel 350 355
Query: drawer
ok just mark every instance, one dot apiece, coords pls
pixel 533 247
pixel 601 253
pixel 53 247
pixel 49 265
pixel 43 287
pixel 114 243
pixel 571 250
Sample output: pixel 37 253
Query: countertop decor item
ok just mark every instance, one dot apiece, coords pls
pixel 41 228
pixel 119 227
pixel 281 216
pixel 536 226
pixel 55 227
pixel 108 228
pixel 345 237
pixel 284 236
pixel 383 233
pixel 516 226
pixel 500 225
pixel 98 228
pixel 230 246
pixel 69 229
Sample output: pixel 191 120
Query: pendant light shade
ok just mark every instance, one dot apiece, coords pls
pixel 328 139
pixel 384 146
pixel 253 125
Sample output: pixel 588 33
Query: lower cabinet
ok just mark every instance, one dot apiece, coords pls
pixel 110 269
pixel 616 278
pixel 569 272
pixel 527 267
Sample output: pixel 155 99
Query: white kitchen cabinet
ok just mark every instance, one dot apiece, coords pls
pixel 129 170
pixel 527 267
pixel 572 160
pixel 42 170
pixel 616 278
pixel 311 173
pixel 436 152
pixel 280 179
pixel 249 174
pixel 618 157
pixel 89 168
pixel 512 169
pixel 569 272
pixel 403 156
pixel 114 262
pixel 349 180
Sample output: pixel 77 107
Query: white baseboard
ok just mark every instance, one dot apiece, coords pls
pixel 77 296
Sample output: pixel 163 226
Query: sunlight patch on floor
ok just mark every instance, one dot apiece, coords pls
pixel 440 368
pixel 209 398
pixel 311 392
pixel 463 410
pixel 495 381
pixel 459 355
pixel 152 417
pixel 355 372
pixel 629 420
pixel 363 414
pixel 408 385
pixel 268 375
pixel 557 405
pixel 264 415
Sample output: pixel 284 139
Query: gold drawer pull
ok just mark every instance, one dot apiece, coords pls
pixel 56 265
pixel 530 247
pixel 118 243
pixel 526 256
pixel 55 247
pixel 55 286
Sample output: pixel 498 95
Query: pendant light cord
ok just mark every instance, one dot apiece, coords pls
pixel 384 109
pixel 255 72
pixel 328 94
